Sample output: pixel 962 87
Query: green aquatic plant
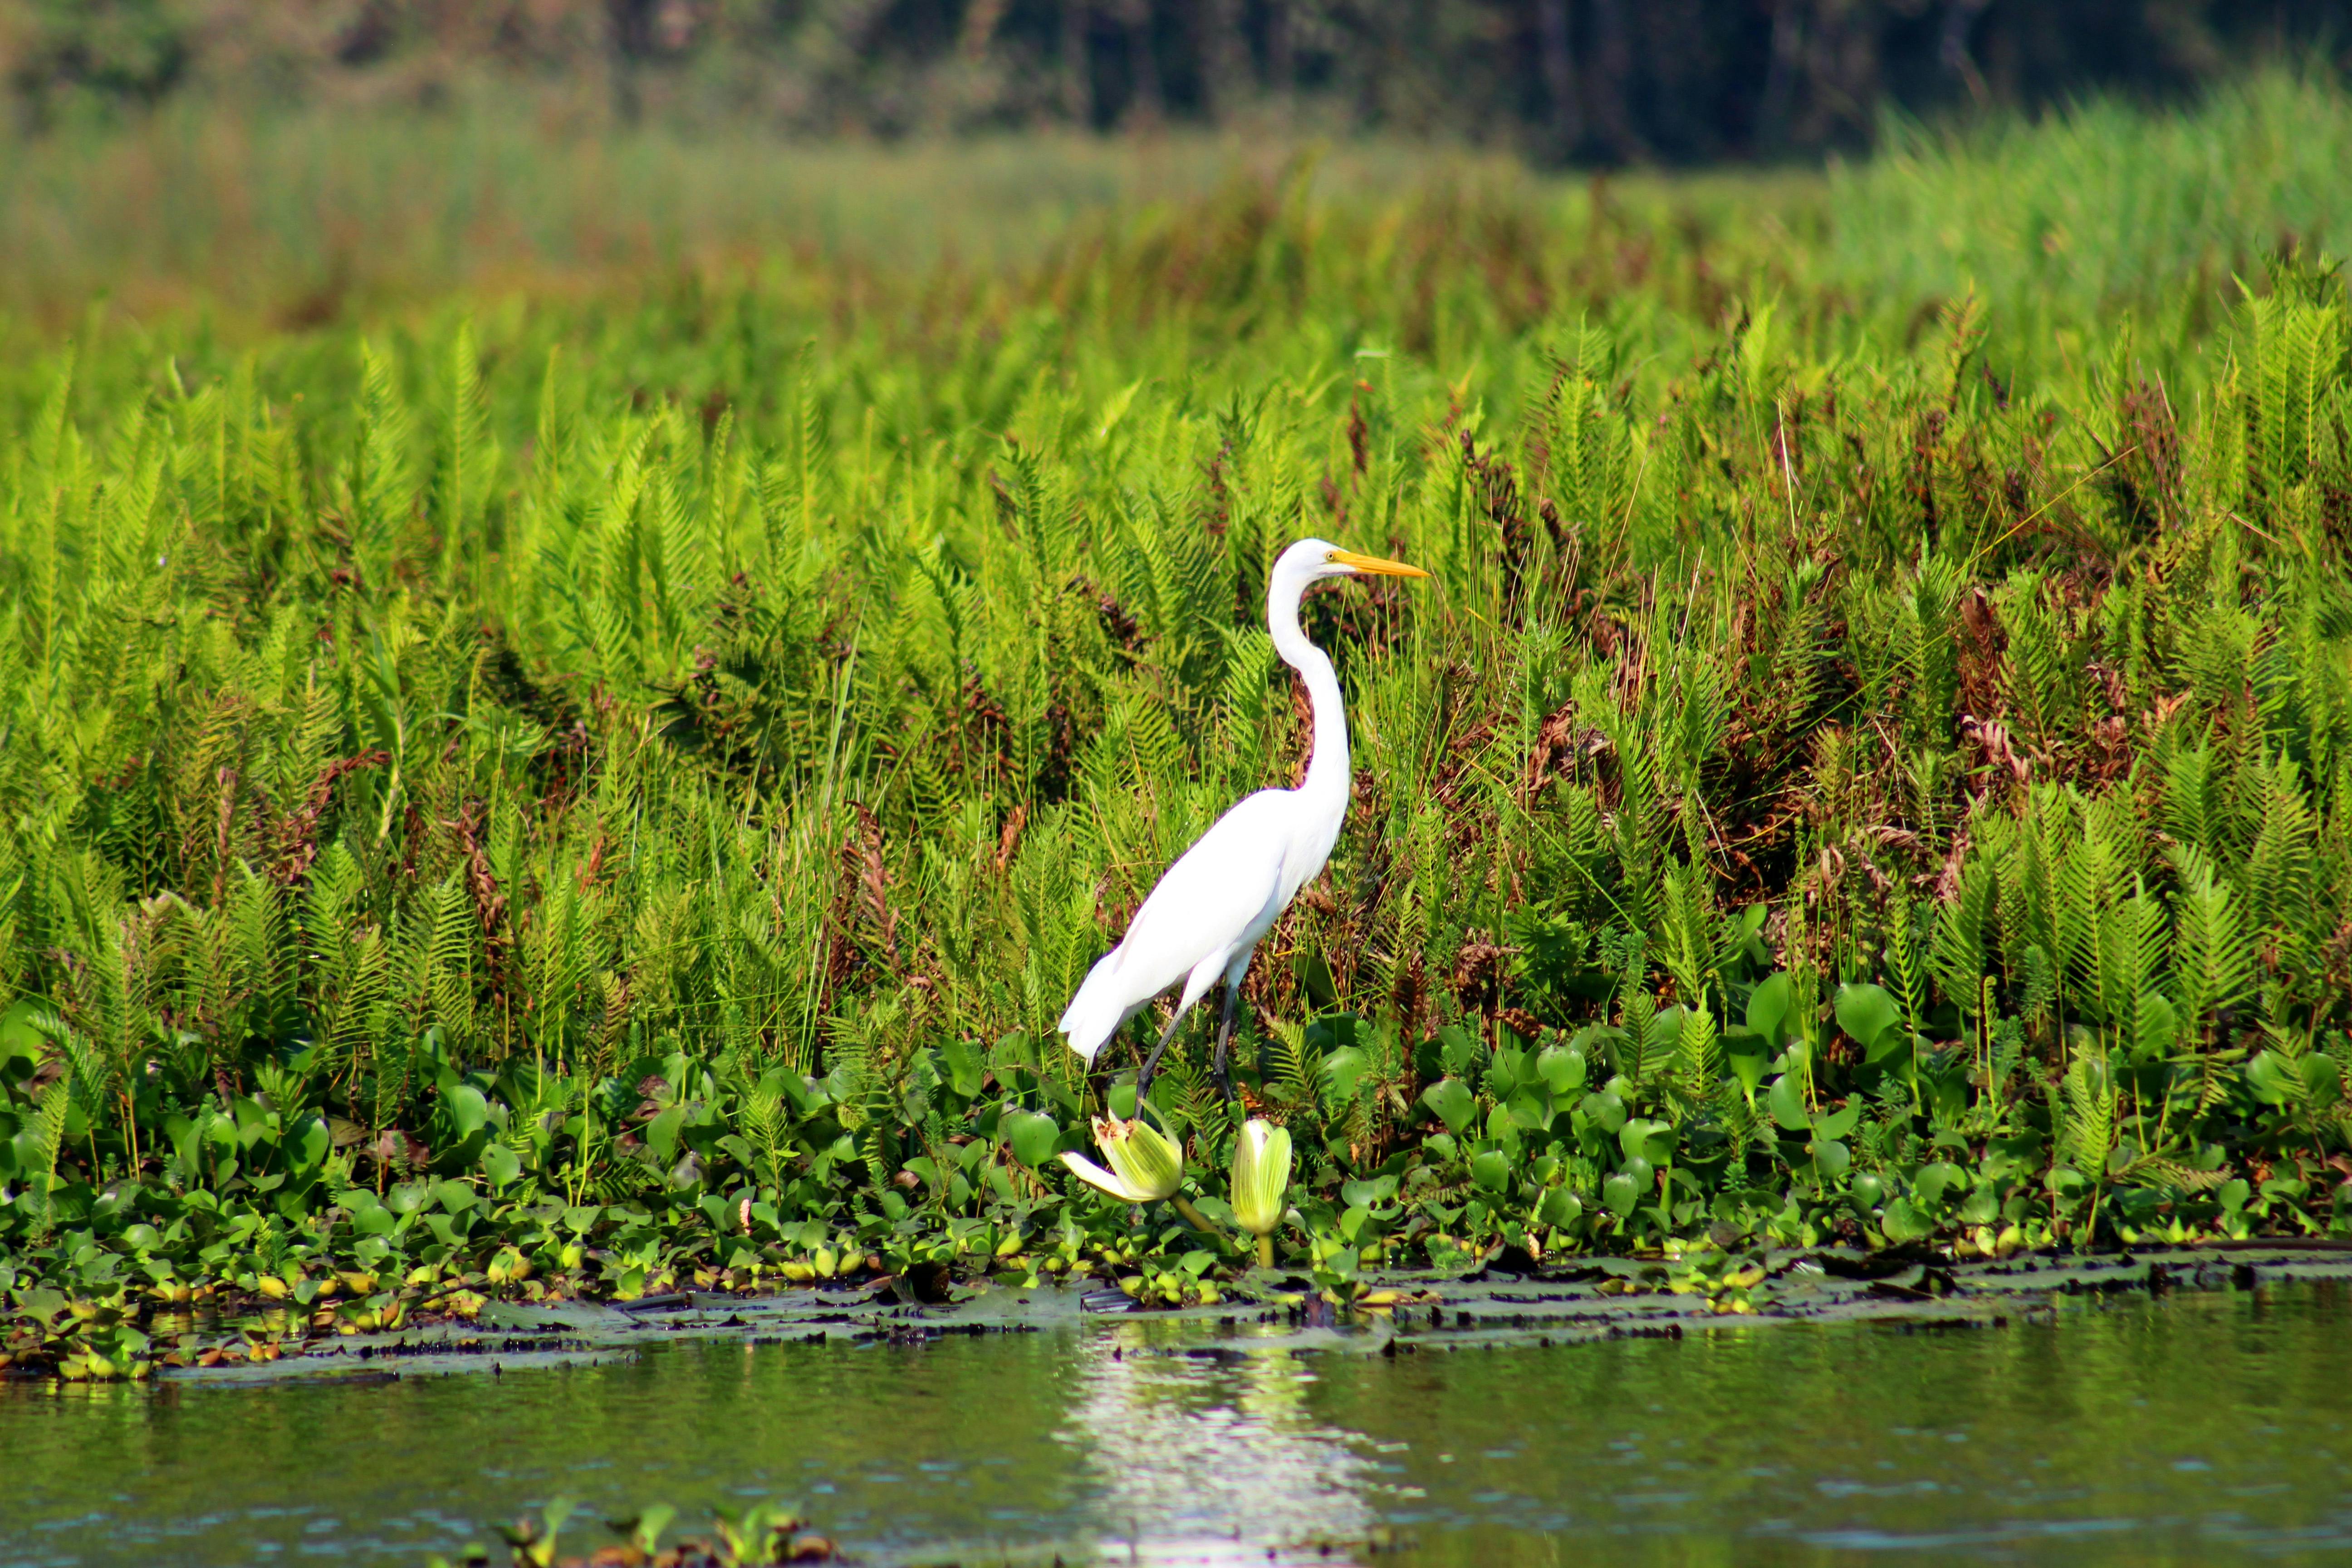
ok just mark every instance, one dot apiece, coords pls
pixel 756 1537
pixel 480 816
pixel 1146 1167
pixel 1261 1183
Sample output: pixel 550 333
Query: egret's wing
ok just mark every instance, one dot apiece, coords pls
pixel 1209 900
pixel 1213 894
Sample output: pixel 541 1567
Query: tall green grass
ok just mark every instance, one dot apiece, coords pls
pixel 299 221
pixel 2103 211
pixel 303 219
pixel 592 793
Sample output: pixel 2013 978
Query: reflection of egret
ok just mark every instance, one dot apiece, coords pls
pixel 1216 1465
pixel 1204 919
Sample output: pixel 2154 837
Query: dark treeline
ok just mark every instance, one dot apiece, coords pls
pixel 1575 80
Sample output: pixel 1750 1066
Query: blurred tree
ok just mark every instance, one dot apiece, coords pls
pixel 1581 80
pixel 133 51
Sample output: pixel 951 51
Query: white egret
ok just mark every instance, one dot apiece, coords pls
pixel 1206 918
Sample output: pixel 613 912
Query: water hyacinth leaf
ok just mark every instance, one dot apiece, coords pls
pixel 307 1148
pixel 1839 1123
pixel 2323 1079
pixel 1461 1051
pixel 1209 1206
pixel 661 1133
pixel 1936 1179
pixel 1525 1064
pixel 807 1094
pixel 1891 1046
pixel 22 1037
pixel 1904 1223
pixel 2273 1079
pixel 1491 1169
pixel 1831 1158
pixel 1622 1193
pixel 1561 1208
pixel 1453 1103
pixel 1562 1069
pixel 180 1131
pixel 1314 978
pixel 1633 1137
pixel 1031 1135
pixel 1786 1101
pixel 645 1530
pixel 1768 1010
pixel 1528 1112
pixel 1868 1015
pixel 1868 1191
pixel 42 1304
pixel 1341 1069
pixel 1502 1074
pixel 1749 939
pixel 1605 1109
pixel 500 1165
pixel 1638 1169
pixel 965 1070
pixel 2155 1026
pixel 1749 1057
pixel 467 1112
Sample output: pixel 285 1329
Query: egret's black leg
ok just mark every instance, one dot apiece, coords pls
pixel 1151 1062
pixel 1225 1041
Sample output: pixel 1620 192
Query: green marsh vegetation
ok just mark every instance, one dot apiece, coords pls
pixel 608 791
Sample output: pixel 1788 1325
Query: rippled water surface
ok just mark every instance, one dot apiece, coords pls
pixel 2202 1428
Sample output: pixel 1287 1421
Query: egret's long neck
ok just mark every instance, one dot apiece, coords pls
pixel 1327 772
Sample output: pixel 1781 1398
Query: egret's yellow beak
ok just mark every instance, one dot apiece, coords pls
pixel 1375 565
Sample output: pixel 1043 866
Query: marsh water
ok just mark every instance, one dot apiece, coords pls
pixel 2203 1427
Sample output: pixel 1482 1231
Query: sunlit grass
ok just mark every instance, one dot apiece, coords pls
pixel 598 763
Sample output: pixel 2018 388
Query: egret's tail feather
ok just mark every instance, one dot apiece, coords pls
pixel 1096 1013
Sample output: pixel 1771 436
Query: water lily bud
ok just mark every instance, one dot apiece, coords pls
pixel 1261 1175
pixel 1145 1164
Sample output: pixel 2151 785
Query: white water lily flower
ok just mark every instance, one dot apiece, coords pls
pixel 1145 1165
pixel 1261 1178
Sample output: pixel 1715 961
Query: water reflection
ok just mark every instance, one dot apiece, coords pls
pixel 1217 1469
pixel 2200 1429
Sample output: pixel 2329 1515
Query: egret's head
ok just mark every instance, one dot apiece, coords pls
pixel 1312 559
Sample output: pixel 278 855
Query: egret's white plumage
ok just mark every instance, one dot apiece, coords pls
pixel 1206 918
